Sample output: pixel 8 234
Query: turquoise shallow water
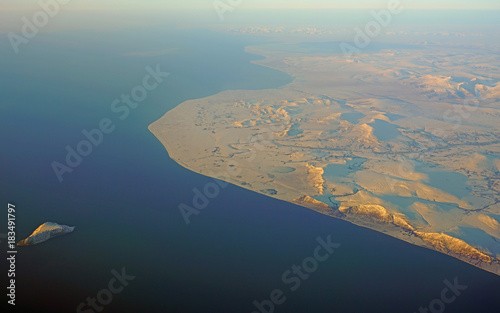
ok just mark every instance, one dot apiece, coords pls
pixel 352 117
pixel 123 198
pixel 385 131
pixel 450 182
pixel 336 172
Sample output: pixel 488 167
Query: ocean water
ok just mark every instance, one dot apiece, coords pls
pixel 124 197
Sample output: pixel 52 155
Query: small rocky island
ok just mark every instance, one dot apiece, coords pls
pixel 44 232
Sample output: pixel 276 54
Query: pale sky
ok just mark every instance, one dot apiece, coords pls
pixel 97 14
pixel 204 4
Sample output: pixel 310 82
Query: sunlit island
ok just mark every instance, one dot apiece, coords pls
pixel 44 232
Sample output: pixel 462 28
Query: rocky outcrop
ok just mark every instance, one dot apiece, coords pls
pixel 312 201
pixel 44 232
pixel 449 244
pixel 315 178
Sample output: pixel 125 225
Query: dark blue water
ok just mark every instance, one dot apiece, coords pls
pixel 123 198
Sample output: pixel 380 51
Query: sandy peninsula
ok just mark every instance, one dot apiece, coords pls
pixel 403 142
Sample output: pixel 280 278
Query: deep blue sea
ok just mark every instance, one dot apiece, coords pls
pixel 124 197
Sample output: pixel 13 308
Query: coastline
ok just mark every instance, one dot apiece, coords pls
pixel 216 152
